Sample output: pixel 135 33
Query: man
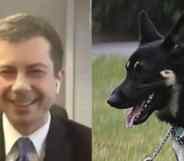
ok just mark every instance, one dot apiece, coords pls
pixel 30 73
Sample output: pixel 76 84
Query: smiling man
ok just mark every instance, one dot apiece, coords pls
pixel 30 69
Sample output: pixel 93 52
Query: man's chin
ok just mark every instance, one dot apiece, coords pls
pixel 25 124
pixel 26 119
pixel 21 113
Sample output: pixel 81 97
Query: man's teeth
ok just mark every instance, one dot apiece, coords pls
pixel 23 103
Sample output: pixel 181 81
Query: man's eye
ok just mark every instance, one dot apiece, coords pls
pixel 7 73
pixel 37 72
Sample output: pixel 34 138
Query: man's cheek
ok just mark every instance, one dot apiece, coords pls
pixel 48 95
pixel 5 85
pixel 3 101
pixel 50 89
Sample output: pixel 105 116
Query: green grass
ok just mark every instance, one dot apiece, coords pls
pixel 111 140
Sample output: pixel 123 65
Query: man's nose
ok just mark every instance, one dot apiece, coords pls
pixel 21 83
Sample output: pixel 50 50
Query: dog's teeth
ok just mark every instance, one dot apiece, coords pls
pixel 151 96
pixel 148 101
pixel 145 106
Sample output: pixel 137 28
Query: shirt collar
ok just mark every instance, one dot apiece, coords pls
pixel 38 137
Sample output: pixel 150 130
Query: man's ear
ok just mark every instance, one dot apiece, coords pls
pixel 59 80
pixel 147 30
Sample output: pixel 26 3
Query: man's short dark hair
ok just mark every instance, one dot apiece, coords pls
pixel 22 26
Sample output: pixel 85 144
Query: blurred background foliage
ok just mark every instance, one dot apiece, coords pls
pixel 118 18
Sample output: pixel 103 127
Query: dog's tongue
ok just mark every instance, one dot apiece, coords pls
pixel 130 119
pixel 131 115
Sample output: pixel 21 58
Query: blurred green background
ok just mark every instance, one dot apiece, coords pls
pixel 111 140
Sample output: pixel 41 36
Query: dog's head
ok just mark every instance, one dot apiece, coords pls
pixel 154 73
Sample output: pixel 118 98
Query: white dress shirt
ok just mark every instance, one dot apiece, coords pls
pixel 12 135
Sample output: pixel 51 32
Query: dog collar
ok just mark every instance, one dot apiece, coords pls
pixel 178 134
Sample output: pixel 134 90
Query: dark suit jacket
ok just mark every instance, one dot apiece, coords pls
pixel 66 140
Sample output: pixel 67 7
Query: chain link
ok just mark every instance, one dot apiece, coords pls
pixel 157 150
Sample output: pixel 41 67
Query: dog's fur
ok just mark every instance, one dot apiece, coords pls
pixel 155 78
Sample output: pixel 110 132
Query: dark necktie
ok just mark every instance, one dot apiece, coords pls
pixel 24 146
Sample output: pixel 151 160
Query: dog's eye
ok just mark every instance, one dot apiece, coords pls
pixel 138 66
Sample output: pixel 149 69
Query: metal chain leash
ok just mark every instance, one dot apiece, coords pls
pixel 156 151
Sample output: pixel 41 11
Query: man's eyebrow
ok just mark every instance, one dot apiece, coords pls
pixel 2 66
pixel 38 65
pixel 34 65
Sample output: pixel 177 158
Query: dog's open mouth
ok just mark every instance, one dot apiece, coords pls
pixel 140 113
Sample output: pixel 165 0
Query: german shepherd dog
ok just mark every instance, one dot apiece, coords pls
pixel 155 80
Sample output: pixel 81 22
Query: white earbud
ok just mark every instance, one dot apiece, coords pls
pixel 58 86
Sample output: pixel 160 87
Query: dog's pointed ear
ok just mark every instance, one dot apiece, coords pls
pixel 170 39
pixel 147 30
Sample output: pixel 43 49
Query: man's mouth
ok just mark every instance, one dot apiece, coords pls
pixel 139 113
pixel 22 100
pixel 23 103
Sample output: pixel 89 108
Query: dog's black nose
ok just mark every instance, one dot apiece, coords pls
pixel 109 101
pixel 113 100
pixel 118 101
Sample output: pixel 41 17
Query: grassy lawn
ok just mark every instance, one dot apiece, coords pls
pixel 111 140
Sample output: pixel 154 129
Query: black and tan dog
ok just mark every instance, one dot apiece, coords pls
pixel 155 80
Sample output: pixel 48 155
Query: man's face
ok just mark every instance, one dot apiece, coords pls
pixel 27 81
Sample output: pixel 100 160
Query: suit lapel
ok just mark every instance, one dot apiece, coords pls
pixel 2 148
pixel 58 146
